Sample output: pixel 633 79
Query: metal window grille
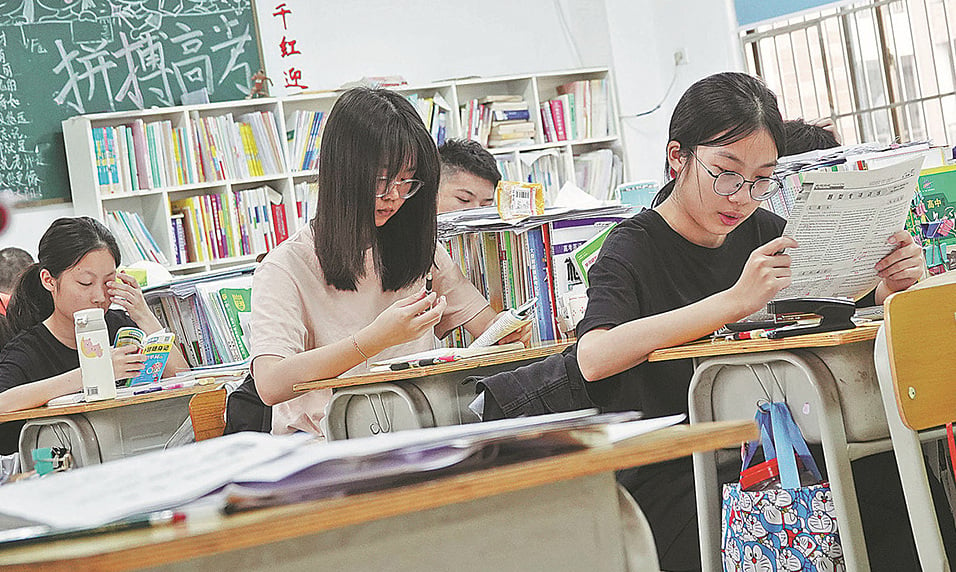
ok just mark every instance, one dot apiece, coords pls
pixel 882 70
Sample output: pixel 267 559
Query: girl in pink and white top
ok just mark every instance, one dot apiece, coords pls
pixel 350 288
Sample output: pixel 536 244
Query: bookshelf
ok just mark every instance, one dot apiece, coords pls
pixel 239 163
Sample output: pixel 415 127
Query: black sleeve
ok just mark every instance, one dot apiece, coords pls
pixel 612 295
pixel 14 365
pixel 868 300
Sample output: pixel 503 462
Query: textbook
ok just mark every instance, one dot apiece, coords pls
pixel 155 348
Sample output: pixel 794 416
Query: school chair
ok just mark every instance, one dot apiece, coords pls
pixel 207 411
pixel 915 367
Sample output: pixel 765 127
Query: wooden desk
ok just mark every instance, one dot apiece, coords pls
pixel 110 429
pixel 436 395
pixel 707 348
pixel 829 381
pixel 558 513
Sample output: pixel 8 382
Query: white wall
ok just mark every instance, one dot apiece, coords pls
pixel 428 41
pixel 644 36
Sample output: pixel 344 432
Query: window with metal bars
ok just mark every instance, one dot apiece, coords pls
pixel 882 70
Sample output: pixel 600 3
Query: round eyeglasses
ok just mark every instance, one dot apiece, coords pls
pixel 405 188
pixel 727 183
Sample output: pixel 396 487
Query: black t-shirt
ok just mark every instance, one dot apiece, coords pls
pixel 647 268
pixel 36 354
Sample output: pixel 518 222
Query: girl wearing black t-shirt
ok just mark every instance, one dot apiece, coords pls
pixel 704 256
pixel 76 270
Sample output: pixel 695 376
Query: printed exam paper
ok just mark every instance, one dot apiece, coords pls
pixel 841 220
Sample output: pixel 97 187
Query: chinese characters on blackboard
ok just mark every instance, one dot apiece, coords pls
pixel 88 56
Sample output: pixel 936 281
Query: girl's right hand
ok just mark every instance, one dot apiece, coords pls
pixel 127 362
pixel 766 272
pixel 408 318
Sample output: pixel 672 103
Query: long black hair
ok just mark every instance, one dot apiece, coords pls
pixel 719 110
pixel 61 247
pixel 370 130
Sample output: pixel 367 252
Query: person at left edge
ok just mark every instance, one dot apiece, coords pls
pixel 350 287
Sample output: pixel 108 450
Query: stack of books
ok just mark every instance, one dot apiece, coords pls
pixel 209 316
pixel 498 121
pixel 512 263
pixel 238 223
pixel 580 111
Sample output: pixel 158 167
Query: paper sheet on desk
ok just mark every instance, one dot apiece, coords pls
pixel 841 221
pixel 98 494
pixel 457 353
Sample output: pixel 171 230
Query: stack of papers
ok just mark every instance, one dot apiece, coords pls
pixel 487 219
pixel 262 469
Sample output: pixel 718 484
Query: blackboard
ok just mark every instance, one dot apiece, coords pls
pixel 60 58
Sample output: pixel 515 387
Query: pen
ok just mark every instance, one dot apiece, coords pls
pixel 42 532
pixel 436 360
pixel 147 390
pixel 749 335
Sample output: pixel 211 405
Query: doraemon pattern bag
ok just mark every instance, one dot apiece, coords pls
pixel 785 528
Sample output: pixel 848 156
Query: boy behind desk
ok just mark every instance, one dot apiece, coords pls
pixel 469 175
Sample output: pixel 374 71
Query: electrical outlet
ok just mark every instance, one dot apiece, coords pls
pixel 680 57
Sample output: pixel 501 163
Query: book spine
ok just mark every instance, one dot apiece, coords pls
pixel 279 222
pixel 557 116
pixel 140 151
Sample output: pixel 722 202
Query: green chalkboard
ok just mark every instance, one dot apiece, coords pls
pixel 60 58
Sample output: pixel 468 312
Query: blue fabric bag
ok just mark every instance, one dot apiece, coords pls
pixel 786 528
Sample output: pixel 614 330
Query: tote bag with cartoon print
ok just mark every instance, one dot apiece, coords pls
pixel 770 522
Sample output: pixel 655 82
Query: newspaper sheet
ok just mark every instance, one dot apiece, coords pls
pixel 842 221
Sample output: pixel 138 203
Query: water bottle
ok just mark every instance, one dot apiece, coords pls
pixel 96 361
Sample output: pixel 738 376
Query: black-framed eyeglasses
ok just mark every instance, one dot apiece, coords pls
pixel 727 183
pixel 406 187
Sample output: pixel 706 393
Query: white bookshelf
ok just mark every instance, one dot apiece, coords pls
pixel 153 205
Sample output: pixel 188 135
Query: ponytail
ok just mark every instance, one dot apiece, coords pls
pixel 30 302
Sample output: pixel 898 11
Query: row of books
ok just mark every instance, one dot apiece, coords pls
pixel 580 111
pixel 434 112
pixel 498 121
pixel 304 139
pixel 237 223
pixel 306 199
pixel 142 156
pixel 543 167
pixel 510 267
pixel 211 321
pixel 228 148
pixel 599 172
pixel 134 239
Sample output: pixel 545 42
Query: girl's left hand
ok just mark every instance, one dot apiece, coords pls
pixel 522 334
pixel 125 292
pixel 903 267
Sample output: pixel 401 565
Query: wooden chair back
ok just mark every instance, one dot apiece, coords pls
pixel 921 341
pixel 207 410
